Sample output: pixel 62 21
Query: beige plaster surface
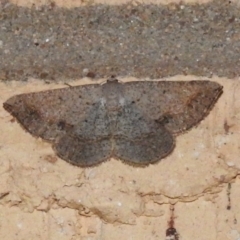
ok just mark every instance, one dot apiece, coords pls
pixel 44 197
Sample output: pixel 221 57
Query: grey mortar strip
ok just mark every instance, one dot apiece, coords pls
pixel 152 41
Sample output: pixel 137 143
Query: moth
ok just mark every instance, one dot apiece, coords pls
pixel 136 122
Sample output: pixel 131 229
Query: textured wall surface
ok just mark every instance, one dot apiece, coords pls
pixel 43 197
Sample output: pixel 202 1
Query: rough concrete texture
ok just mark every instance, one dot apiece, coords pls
pixel 43 197
pixel 143 41
pixel 74 3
